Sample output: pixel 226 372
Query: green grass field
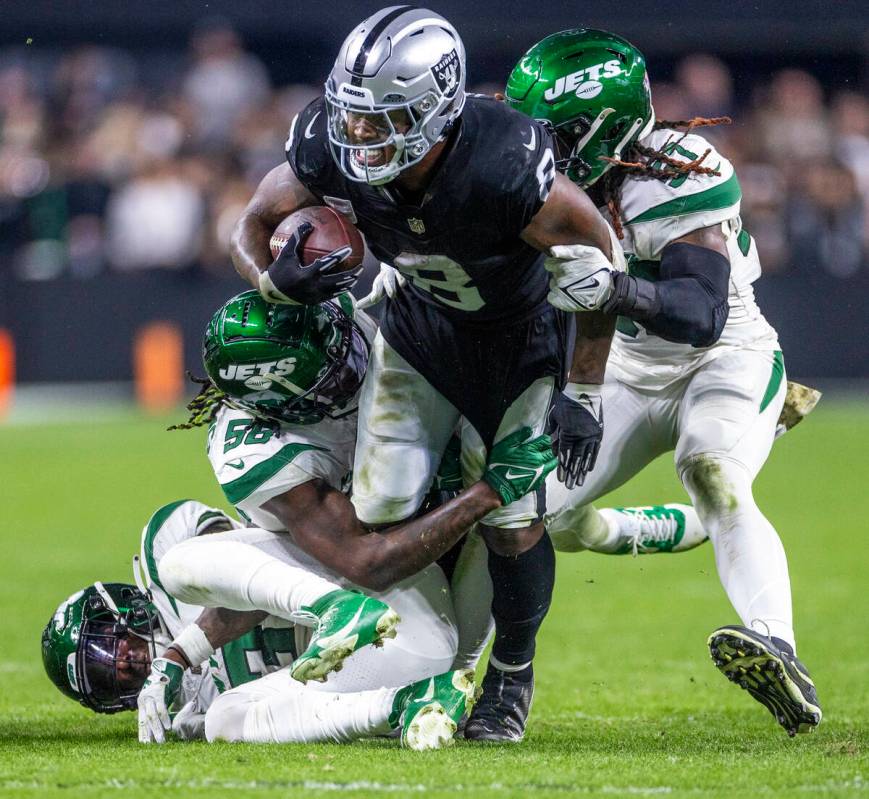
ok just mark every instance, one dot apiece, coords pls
pixel 628 702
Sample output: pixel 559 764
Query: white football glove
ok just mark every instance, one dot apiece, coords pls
pixel 388 281
pixel 582 277
pixel 156 697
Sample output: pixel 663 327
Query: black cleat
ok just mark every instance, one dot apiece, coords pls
pixel 768 669
pixel 502 710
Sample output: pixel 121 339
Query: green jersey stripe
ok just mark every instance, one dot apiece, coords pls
pixel 157 521
pixel 207 519
pixel 720 196
pixel 242 487
pixel 775 378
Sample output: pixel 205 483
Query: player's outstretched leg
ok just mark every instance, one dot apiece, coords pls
pixel 759 655
pixel 648 529
pixel 429 710
pixel 345 621
pixel 640 530
pixel 769 670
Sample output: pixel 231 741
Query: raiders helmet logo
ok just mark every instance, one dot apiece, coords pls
pixel 447 73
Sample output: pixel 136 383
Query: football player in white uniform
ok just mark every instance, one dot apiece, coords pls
pixel 694 365
pixel 281 401
pixel 103 641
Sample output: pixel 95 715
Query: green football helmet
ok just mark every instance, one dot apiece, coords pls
pixel 98 646
pixel 592 89
pixel 289 363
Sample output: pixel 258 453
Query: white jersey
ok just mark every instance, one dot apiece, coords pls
pixel 655 213
pixel 267 648
pixel 255 462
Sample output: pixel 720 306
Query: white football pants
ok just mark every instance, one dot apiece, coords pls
pixel 720 420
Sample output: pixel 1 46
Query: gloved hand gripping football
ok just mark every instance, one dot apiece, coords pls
pixel 289 282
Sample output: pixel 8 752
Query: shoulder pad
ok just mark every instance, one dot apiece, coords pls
pixel 644 199
pixel 657 212
pixel 307 145
pixel 510 149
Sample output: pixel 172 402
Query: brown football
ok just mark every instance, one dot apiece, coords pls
pixel 331 231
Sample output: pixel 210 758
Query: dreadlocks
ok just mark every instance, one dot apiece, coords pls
pixel 643 161
pixel 204 406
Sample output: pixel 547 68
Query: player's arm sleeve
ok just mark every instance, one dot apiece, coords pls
pixel 687 305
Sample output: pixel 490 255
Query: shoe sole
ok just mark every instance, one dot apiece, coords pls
pixel 744 662
pixel 331 659
pixel 431 728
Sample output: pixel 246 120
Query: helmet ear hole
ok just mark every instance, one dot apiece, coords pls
pixel 615 131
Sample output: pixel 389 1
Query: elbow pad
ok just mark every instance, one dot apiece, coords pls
pixel 688 305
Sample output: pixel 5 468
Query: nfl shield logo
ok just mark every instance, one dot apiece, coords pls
pixel 416 225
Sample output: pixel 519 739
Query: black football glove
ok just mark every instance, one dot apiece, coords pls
pixel 288 282
pixel 578 418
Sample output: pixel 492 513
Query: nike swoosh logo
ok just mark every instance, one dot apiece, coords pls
pixel 308 133
pixel 238 463
pixel 533 143
pixel 511 475
pixel 344 632
pixel 429 692
pixel 590 282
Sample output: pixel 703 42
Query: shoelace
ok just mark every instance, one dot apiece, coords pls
pixel 650 528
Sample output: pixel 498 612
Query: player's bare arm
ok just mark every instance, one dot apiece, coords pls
pixel 688 304
pixel 220 625
pixel 323 522
pixel 568 217
pixel 279 194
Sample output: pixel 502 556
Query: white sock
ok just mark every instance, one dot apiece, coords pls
pixel 235 575
pixel 748 552
pixel 589 529
pixel 299 715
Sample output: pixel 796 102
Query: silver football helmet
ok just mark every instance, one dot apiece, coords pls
pixel 397 86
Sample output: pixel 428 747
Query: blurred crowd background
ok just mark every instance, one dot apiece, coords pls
pixel 114 160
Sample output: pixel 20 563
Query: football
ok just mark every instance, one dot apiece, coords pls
pixel 331 231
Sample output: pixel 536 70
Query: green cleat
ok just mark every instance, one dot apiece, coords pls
pixel 768 669
pixel 429 710
pixel 653 528
pixel 345 621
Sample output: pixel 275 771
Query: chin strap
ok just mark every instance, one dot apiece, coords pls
pixel 137 575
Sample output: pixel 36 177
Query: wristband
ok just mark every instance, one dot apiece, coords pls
pixel 193 644
pixel 575 390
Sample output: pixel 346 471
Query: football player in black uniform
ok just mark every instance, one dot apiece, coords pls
pixel 460 194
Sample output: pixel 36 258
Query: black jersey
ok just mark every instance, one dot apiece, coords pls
pixel 460 247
